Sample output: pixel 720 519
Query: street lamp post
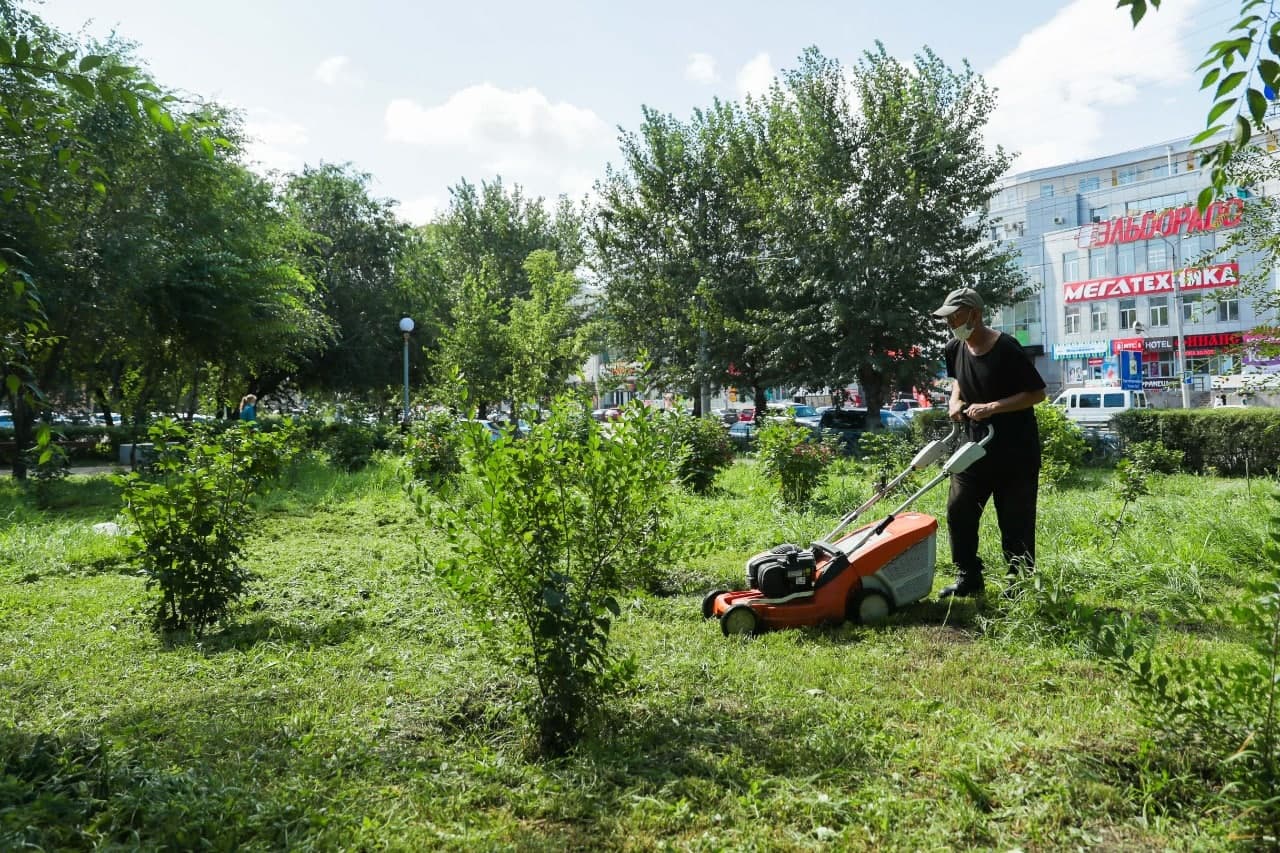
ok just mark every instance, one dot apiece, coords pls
pixel 406 326
pixel 1177 299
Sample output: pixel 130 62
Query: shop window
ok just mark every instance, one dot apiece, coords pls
pixel 1071 320
pixel 1159 311
pixel 1128 313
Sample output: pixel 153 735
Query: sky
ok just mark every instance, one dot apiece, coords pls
pixel 422 94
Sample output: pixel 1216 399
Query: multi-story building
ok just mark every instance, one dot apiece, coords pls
pixel 1102 240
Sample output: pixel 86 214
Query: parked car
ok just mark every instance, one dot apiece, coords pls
pixel 743 435
pixel 6 419
pixel 847 424
pixel 799 412
pixel 906 406
pixel 747 414
pixel 895 421
pixel 1095 406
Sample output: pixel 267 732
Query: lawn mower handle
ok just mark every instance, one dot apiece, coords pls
pixel 929 454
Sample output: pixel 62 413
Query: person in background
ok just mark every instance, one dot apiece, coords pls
pixel 995 383
pixel 249 407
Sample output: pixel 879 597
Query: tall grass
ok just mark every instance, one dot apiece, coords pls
pixel 348 707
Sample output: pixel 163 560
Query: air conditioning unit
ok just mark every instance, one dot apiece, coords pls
pixel 1058 220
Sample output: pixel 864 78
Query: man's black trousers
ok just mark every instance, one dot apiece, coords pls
pixel 1014 490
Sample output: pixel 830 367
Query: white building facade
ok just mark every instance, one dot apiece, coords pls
pixel 1123 261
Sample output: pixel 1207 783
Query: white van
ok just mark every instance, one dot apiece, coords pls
pixel 1095 406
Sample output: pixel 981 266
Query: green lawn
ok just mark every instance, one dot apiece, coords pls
pixel 349 706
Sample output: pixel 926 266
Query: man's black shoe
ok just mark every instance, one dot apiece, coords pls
pixel 964 587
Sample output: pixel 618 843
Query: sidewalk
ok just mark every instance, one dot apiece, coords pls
pixel 88 469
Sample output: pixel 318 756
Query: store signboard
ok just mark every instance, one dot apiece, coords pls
pixel 1062 352
pixel 1187 219
pixel 1151 283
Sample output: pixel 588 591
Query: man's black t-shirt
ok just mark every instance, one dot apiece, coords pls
pixel 1002 371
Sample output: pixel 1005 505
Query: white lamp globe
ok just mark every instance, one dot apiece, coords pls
pixel 406 324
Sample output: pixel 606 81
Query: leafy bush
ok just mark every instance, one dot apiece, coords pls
pixel 1230 441
pixel 563 522
pixel 788 453
pixel 700 446
pixel 432 449
pixel 351 446
pixel 887 453
pixel 1062 444
pixel 190 516
pixel 1153 456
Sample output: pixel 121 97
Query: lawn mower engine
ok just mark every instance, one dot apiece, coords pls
pixel 782 571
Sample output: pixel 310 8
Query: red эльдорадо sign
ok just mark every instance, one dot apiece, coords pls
pixel 1166 223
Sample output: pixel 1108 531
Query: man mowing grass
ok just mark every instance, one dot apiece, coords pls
pixel 994 382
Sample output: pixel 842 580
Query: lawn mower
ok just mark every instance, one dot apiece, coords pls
pixel 863 575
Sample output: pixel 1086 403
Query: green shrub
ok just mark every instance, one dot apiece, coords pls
pixel 1230 441
pixel 190 516
pixel 351 446
pixel 433 448
pixel 700 446
pixel 1062 444
pixel 563 522
pixel 1153 456
pixel 789 454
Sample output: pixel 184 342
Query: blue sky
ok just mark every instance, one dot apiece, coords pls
pixel 422 94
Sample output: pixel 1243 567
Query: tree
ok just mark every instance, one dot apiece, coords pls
pixel 545 332
pixel 876 183
pixel 480 248
pixel 350 244
pixel 45 83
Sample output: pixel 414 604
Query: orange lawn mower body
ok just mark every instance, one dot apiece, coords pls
pixel 862 576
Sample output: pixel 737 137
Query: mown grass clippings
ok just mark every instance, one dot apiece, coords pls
pixel 348 706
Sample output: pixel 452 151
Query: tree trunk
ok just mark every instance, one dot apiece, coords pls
pixel 872 395
pixel 759 400
pixel 23 433
pixel 696 391
pixel 103 405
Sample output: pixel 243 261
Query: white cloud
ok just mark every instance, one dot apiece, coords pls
pixel 420 211
pixel 701 69
pixel 756 76
pixel 1056 85
pixel 330 71
pixel 270 140
pixel 546 147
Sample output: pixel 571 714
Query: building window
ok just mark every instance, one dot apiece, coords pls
pixel 1071 320
pixel 1097 263
pixel 1071 266
pixel 1128 313
pixel 1128 176
pixel 1159 311
pixel 1046 191
pixel 1157 255
pixel 1098 214
pixel 1192 309
pixel 1098 317
pixel 1089 184
pixel 1158 366
pixel 1130 258
pixel 1228 310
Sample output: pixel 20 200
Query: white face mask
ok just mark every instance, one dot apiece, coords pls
pixel 962 333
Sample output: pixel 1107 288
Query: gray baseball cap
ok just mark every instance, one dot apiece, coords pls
pixel 963 297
